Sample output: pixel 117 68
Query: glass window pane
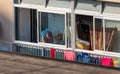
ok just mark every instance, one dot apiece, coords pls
pixel 98 34
pixel 23 27
pixel 36 2
pixel 52 29
pixel 89 5
pixel 112 31
pixel 26 24
pixel 113 8
pixel 60 3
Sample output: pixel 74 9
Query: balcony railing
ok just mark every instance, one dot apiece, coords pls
pixel 35 50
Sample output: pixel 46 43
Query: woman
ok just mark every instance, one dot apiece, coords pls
pixel 48 38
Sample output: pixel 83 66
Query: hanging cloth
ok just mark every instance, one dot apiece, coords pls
pixel 86 58
pixel 106 61
pixel 94 60
pixel 68 55
pixel 119 62
pixel 115 62
pixel 52 53
pixel 79 57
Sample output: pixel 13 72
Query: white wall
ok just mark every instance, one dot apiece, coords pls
pixel 6 20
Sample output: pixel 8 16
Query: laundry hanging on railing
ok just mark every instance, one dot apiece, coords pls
pixel 79 57
pixel 86 57
pixel 115 62
pixel 83 57
pixel 118 62
pixel 52 52
pixel 69 55
pixel 95 60
pixel 106 61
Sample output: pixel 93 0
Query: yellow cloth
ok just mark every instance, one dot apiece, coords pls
pixel 83 45
pixel 115 62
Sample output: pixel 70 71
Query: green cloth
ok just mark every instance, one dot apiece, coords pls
pixel 119 62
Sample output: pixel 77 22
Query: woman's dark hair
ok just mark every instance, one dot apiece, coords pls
pixel 49 33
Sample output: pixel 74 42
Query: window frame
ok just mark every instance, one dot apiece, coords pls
pixel 98 52
pixel 103 18
pixel 39 24
pixel 103 25
pixel 17 21
pixel 111 19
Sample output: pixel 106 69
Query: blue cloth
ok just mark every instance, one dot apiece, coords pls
pixel 94 60
pixel 83 57
pixel 86 58
pixel 79 57
pixel 97 60
pixel 43 33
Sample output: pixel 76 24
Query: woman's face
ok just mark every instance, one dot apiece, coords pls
pixel 47 35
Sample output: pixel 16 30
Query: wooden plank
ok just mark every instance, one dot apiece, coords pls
pixel 116 1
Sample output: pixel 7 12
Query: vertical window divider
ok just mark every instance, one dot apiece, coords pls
pixel 68 30
pixel 73 25
pixel 38 22
pixel 94 34
pixel 103 34
pixel 66 33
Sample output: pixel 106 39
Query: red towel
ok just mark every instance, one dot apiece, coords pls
pixel 52 53
pixel 68 55
pixel 106 61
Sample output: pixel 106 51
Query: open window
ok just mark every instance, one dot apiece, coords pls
pixel 84 25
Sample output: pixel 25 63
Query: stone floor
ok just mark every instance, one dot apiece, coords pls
pixel 21 64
